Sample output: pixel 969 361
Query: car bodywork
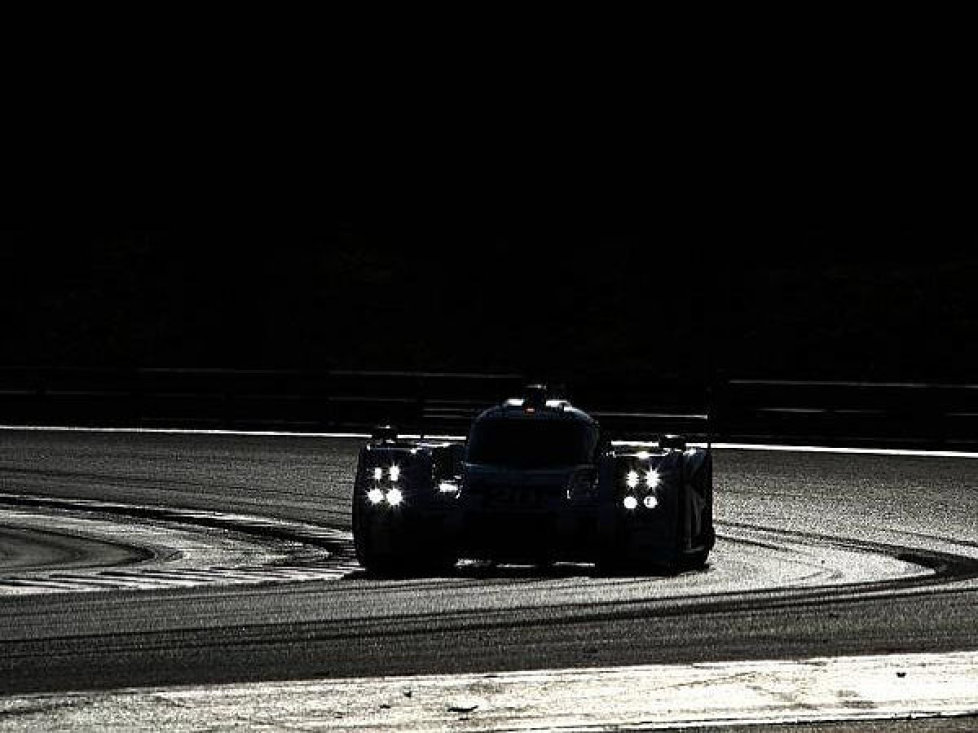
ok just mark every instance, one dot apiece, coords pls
pixel 533 483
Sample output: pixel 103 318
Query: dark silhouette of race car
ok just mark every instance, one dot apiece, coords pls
pixel 534 483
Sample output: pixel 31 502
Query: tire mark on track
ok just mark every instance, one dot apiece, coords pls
pixel 946 566
pixel 300 566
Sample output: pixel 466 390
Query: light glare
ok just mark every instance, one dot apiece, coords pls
pixel 446 487
pixel 395 472
pixel 631 480
pixel 630 502
pixel 394 497
pixel 650 502
pixel 378 473
pixel 375 495
pixel 652 478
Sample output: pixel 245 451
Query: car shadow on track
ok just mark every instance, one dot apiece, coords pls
pixel 551 571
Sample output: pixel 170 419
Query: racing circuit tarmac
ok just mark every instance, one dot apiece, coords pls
pixel 173 563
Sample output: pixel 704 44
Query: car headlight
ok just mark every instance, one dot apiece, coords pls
pixel 650 501
pixel 395 472
pixel 378 473
pixel 375 496
pixel 652 479
pixel 631 479
pixel 394 497
pixel 630 502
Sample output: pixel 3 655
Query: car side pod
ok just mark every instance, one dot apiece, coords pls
pixel 696 536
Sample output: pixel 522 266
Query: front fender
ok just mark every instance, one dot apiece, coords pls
pixel 660 531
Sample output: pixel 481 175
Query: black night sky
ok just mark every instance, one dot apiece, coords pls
pixel 813 236
pixel 542 297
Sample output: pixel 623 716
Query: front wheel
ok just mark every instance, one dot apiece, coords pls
pixel 391 549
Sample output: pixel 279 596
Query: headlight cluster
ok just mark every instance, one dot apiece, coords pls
pixel 641 484
pixel 390 493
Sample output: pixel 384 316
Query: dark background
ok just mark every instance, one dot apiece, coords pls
pixel 848 298
pixel 553 207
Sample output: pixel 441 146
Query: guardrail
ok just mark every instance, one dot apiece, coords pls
pixel 743 410
pixel 853 413
pixel 246 398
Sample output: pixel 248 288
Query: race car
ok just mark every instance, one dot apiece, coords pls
pixel 534 483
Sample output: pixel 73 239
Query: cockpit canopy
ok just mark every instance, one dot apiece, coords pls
pixel 532 443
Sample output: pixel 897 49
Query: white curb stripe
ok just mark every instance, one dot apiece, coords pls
pixel 646 697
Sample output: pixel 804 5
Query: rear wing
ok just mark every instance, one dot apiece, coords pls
pixel 631 412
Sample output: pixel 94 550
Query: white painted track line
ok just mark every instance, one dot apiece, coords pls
pixel 176 431
pixel 414 436
pixel 853 451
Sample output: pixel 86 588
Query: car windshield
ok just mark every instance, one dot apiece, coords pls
pixel 532 443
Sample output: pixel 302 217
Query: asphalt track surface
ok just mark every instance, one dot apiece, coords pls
pixel 819 555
